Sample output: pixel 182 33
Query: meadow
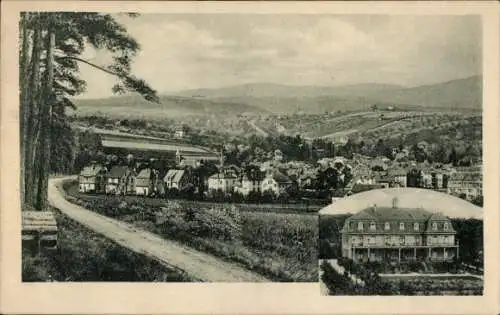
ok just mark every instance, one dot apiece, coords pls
pixel 83 255
pixel 280 246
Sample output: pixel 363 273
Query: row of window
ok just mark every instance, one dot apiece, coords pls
pixel 387 226
pixel 399 240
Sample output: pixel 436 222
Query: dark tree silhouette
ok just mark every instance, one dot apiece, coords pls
pixel 50 50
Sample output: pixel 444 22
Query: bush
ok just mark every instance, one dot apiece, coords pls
pixel 85 256
pixel 281 246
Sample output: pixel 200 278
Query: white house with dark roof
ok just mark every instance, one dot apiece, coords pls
pixel 176 179
pixel 276 182
pixel 92 178
pixel 401 224
pixel 120 180
pixel 144 182
pixel 401 234
pixel 225 181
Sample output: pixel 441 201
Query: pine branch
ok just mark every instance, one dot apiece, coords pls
pixel 93 65
pixel 130 82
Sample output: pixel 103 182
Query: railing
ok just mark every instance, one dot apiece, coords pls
pixel 363 245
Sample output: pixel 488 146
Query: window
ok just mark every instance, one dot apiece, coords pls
pixel 372 226
pixel 387 226
pixel 415 226
pixel 401 239
pixel 360 226
pixel 434 226
pixel 401 226
pixel 446 226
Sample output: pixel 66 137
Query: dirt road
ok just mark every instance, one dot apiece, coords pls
pixel 197 265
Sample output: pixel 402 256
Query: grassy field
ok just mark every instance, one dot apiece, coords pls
pixel 280 246
pixel 72 189
pixel 85 256
pixel 341 284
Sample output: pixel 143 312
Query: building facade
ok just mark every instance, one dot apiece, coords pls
pixel 224 181
pixel 276 182
pixel 395 234
pixel 120 181
pixel 176 179
pixel 92 179
pixel 144 182
pixel 467 181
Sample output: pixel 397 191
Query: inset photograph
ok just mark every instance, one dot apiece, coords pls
pixel 401 241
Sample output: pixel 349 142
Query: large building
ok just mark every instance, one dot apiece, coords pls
pixel 398 224
pixel 394 233
pixel 149 147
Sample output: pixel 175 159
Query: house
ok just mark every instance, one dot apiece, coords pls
pixel 176 179
pixel 120 180
pixel 427 178
pixel 225 181
pixel 397 234
pixel 92 179
pixel 179 132
pixel 307 180
pixel 384 180
pixel 249 184
pixel 466 181
pixel 144 182
pixel 276 182
pixel 398 175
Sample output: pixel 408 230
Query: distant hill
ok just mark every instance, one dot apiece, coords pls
pixel 456 94
pixel 262 90
pixel 260 98
pixel 460 94
pixel 170 106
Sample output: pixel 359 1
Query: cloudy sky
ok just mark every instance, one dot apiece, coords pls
pixel 187 51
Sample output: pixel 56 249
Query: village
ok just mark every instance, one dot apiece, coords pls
pixel 198 174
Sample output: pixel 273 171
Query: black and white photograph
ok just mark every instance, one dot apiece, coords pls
pixel 265 157
pixel 344 149
pixel 409 221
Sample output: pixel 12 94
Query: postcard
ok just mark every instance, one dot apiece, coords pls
pixel 250 157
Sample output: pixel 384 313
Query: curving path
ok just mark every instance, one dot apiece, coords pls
pixel 198 265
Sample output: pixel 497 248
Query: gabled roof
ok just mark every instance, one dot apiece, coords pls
pixel 92 170
pixel 144 174
pixel 438 217
pixel 174 175
pixel 389 213
pixel 118 171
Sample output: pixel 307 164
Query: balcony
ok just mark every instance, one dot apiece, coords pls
pixel 391 245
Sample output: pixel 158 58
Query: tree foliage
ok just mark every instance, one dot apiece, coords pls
pixel 50 54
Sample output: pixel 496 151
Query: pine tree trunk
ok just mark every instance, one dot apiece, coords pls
pixel 23 83
pixel 46 124
pixel 32 119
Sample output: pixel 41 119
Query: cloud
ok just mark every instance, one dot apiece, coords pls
pixel 191 51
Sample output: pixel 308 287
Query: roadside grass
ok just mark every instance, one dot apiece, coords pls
pixel 280 246
pixel 83 255
pixel 71 189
